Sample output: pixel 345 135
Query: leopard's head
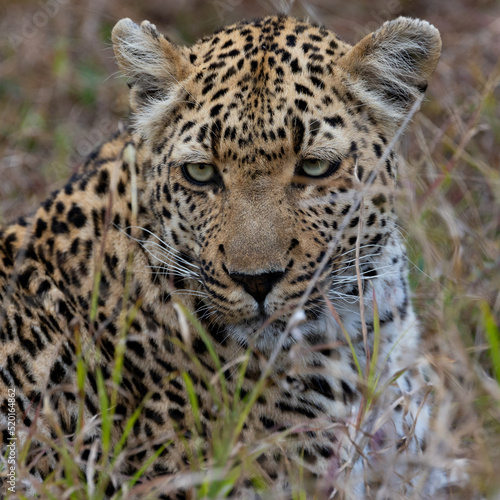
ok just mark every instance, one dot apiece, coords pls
pixel 271 146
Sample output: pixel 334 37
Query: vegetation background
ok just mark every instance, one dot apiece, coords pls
pixel 59 97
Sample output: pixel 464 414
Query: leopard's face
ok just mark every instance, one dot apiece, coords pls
pixel 260 163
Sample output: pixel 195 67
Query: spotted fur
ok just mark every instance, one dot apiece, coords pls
pixel 267 257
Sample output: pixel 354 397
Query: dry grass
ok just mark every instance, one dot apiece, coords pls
pixel 56 102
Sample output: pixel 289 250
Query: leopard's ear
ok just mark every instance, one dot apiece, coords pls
pixel 389 68
pixel 154 65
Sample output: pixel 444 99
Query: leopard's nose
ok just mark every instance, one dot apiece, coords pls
pixel 257 285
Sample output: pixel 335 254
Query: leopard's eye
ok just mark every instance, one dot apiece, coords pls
pixel 199 173
pixel 315 168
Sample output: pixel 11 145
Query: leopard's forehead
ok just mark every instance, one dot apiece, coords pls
pixel 280 38
pixel 270 82
pixel 261 48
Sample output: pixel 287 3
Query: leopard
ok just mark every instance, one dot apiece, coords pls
pixel 226 273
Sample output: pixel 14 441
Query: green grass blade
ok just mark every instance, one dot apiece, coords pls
pixel 493 334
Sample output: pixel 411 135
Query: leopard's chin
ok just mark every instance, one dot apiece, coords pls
pixel 265 335
pixel 260 334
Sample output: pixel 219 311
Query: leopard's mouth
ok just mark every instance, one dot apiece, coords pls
pixel 264 323
pixel 260 333
pixel 266 334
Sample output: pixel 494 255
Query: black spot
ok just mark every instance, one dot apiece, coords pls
pixel 176 414
pixel 176 398
pixel 376 239
pixel 308 457
pixel 207 88
pixel 62 308
pixel 361 171
pixel 370 273
pixel 335 121
pixel 219 93
pixel 154 416
pixel 320 385
pixel 35 397
pixel 136 347
pixel 59 227
pixel 267 422
pixel 229 73
pixel 231 54
pixel 40 227
pixel 102 182
pixel 295 66
pixel 43 287
pixel 379 200
pixel 215 133
pixel 317 83
pixel 24 278
pixel 28 346
pixel 298 135
pixel 306 47
pixel 187 126
pixel 294 243
pixel 301 89
pixel 76 216
pixel 348 393
pixel 201 135
pixel 301 104
pixel 57 373
pixel 324 451
pixel 199 346
pixel 216 110
pixel 285 407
